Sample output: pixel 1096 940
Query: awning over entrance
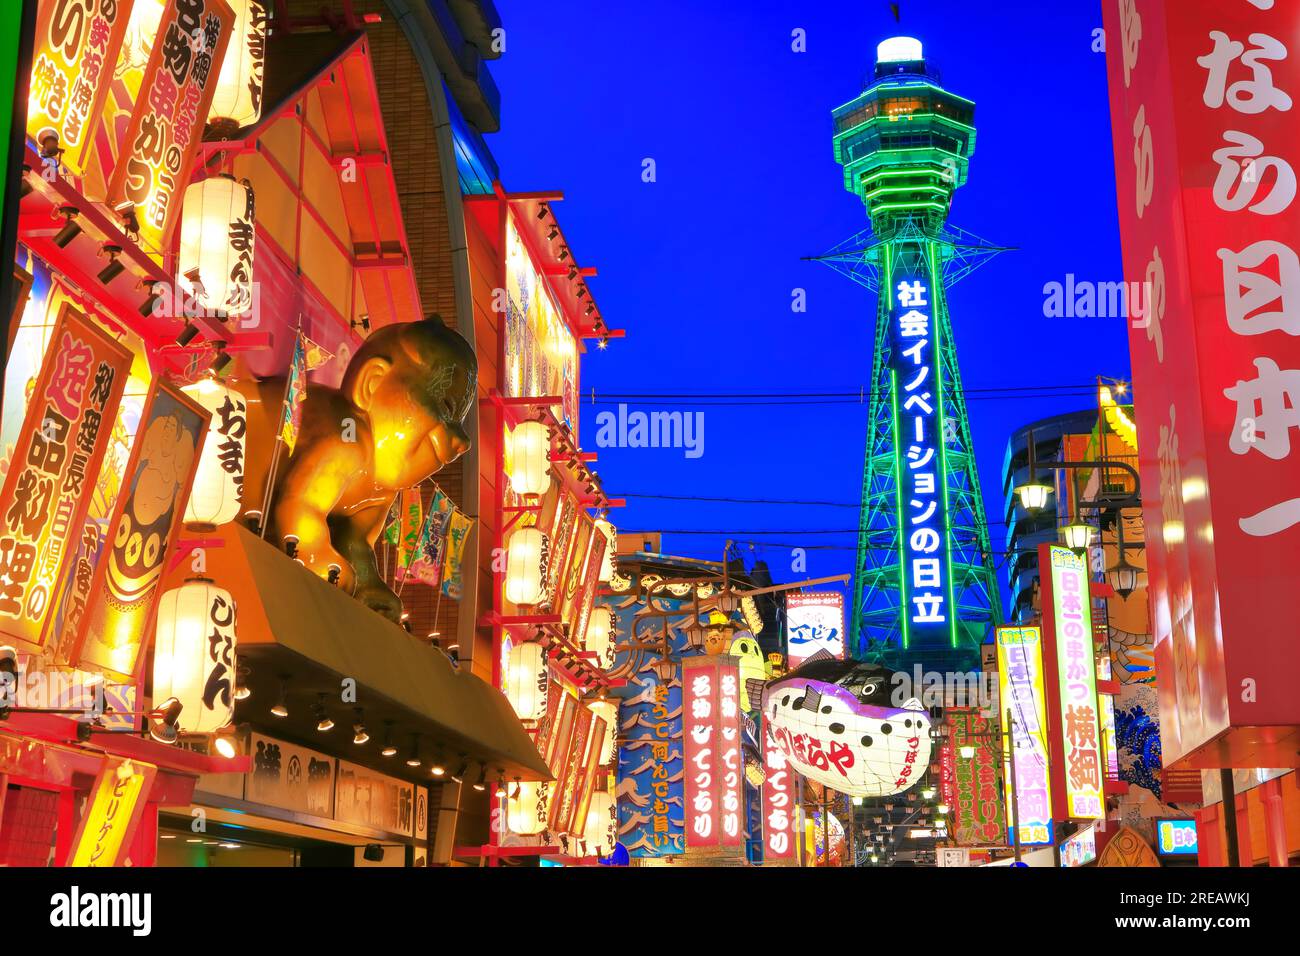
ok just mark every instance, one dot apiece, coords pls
pixel 298 629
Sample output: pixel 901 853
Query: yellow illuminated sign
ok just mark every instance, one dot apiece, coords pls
pixel 111 813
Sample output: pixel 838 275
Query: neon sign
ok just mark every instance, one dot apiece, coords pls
pixel 921 485
pixel 1023 692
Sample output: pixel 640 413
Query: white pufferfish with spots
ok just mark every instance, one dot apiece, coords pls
pixel 836 724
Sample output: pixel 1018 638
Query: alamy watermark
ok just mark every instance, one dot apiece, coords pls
pixel 1084 299
pixel 638 429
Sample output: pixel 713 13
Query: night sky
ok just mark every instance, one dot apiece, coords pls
pixel 699 266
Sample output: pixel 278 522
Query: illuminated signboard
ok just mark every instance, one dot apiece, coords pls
pixel 112 813
pixel 146 519
pixel 1176 837
pixel 714 763
pixel 541 353
pixel 701 721
pixel 1022 691
pixel 54 467
pixel 919 467
pixel 77 42
pixel 976 789
pixel 167 122
pixel 1080 848
pixel 779 788
pixel 814 622
pixel 1077 685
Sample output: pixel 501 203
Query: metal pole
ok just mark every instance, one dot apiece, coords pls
pixel 1015 803
pixel 1229 816
pixel 826 828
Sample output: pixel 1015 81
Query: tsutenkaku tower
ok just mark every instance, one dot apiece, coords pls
pixel 925 590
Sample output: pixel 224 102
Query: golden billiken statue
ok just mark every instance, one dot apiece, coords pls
pixel 396 419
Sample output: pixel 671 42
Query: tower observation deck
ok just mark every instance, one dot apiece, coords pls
pixel 924 588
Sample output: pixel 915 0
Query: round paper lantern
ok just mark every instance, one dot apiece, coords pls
pixel 237 101
pixel 530 453
pixel 526 557
pixel 194 654
pixel 607 710
pixel 526 808
pixel 602 636
pixel 601 831
pixel 526 679
pixel 607 562
pixel 215 260
pixel 219 481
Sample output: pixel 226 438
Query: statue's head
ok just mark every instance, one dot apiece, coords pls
pixel 416 382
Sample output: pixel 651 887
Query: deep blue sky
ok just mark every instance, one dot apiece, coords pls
pixel 699 266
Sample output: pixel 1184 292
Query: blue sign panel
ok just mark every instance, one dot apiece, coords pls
pixel 916 387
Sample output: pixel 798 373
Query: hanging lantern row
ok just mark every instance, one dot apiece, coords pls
pixel 527 555
pixel 526 680
pixel 215 259
pixel 194 655
pixel 527 808
pixel 530 458
pixel 237 101
pixel 611 546
pixel 219 480
pixel 602 636
pixel 601 831
pixel 607 710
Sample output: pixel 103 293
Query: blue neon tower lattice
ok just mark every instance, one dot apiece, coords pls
pixel 924 588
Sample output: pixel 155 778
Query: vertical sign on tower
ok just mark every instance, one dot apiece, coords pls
pixel 1070 646
pixel 921 509
pixel 1022 692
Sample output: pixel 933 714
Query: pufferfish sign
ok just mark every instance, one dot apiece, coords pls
pixel 835 723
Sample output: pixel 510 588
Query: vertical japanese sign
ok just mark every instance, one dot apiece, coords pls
pixel 55 464
pixel 146 518
pixel 571 775
pixel 1074 690
pixel 1022 691
pixel 701 722
pixel 918 438
pixel 780 785
pixel 1203 104
pixel 170 112
pixel 814 622
pixel 112 813
pixel 731 760
pixel 976 799
pixel 587 780
pixel 77 42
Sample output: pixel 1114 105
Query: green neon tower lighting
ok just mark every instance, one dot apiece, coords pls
pixel 905 145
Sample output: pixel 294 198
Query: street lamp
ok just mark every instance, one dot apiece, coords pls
pixel 1123 577
pixel 1076 535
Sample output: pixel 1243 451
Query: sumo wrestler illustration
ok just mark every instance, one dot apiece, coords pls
pixel 396 418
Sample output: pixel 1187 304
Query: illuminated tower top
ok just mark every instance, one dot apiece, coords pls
pixel 905 142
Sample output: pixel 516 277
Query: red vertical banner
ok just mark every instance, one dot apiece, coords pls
pixel 167 123
pixel 55 464
pixel 976 803
pixel 780 785
pixel 141 531
pixel 730 757
pixel 1203 98
pixel 700 723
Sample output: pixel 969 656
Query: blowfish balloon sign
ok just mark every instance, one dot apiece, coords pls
pixel 835 724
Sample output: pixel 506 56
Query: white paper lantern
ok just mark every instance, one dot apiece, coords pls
pixel 601 635
pixel 607 710
pixel 526 680
pixel 530 454
pixel 194 654
pixel 215 260
pixel 526 559
pixel 611 537
pixel 526 808
pixel 601 831
pixel 219 481
pixel 237 101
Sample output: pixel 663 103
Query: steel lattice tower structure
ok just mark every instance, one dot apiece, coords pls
pixel 924 590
